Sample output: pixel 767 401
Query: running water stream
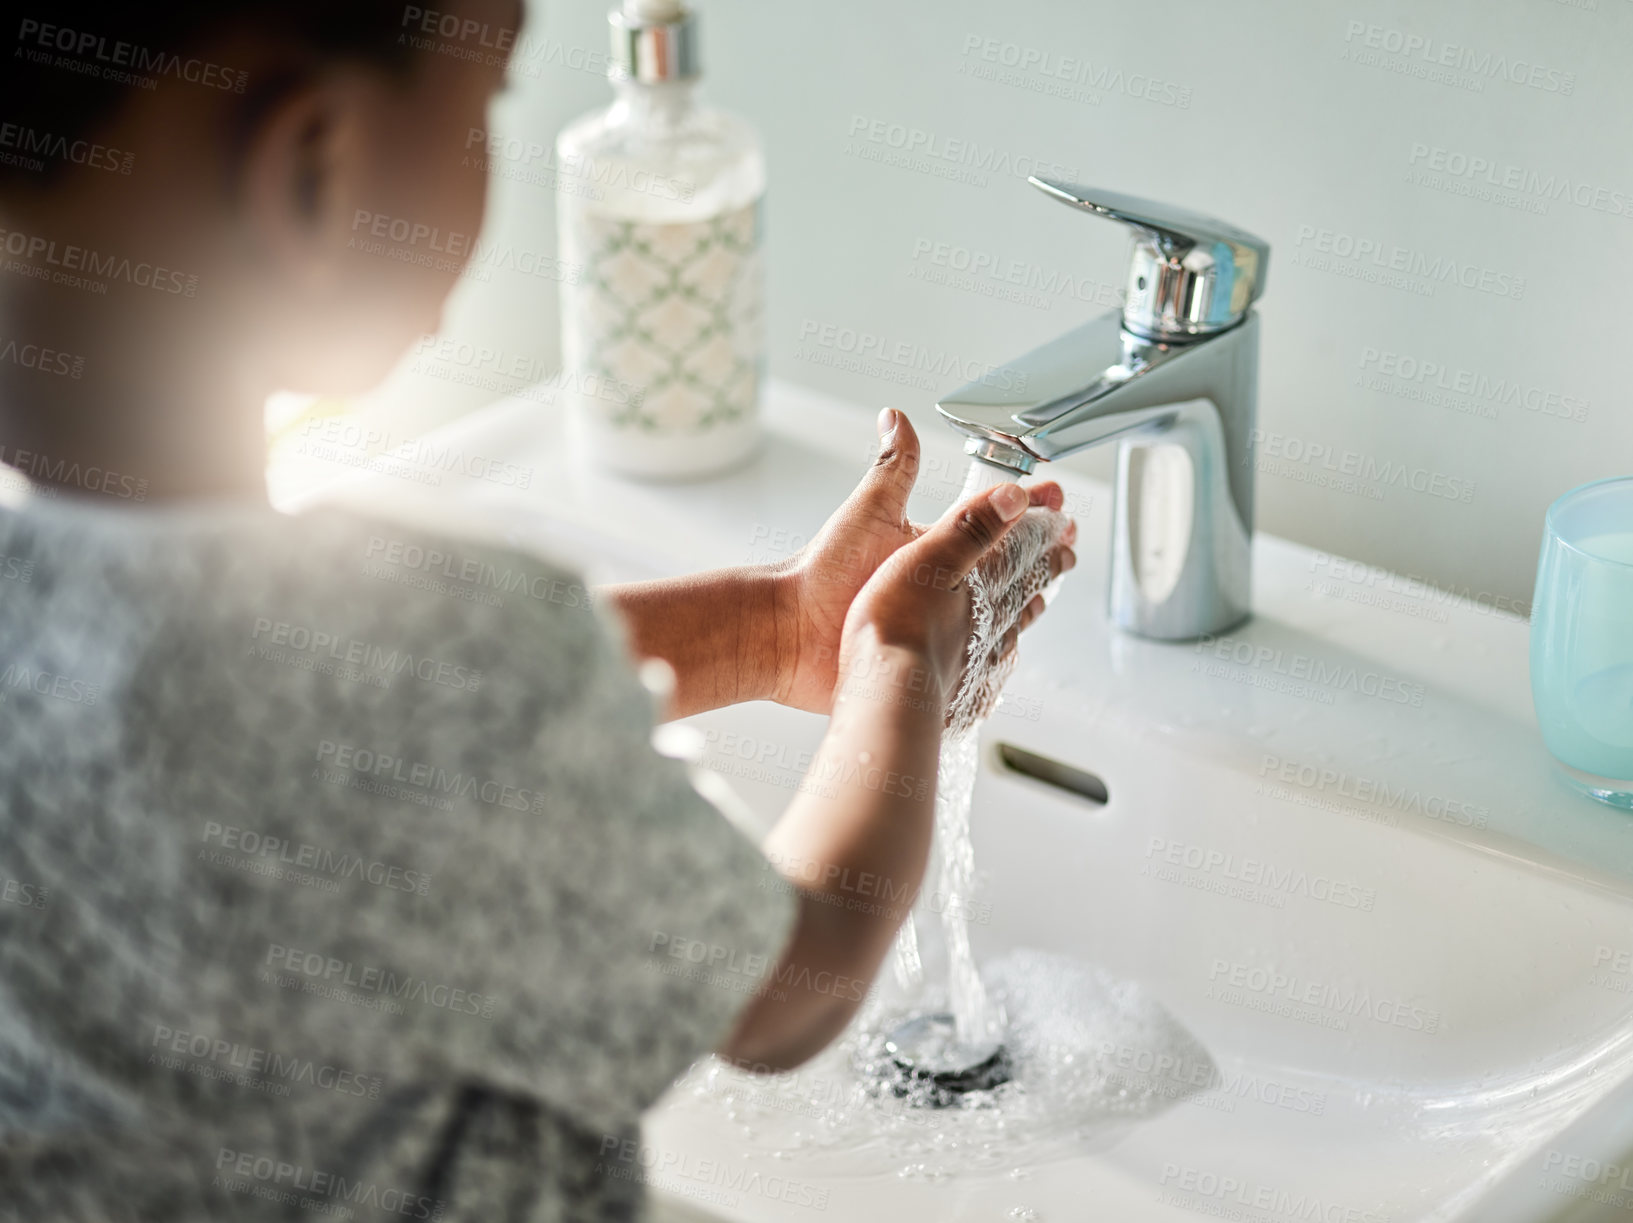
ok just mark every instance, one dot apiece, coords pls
pixel 979 1020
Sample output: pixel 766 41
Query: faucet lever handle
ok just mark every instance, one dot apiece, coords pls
pixel 1190 275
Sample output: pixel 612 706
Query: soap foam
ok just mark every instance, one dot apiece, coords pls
pixel 1092 1056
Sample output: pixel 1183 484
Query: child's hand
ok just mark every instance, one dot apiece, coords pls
pixel 826 577
pixel 920 602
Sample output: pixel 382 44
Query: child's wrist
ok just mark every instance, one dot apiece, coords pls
pixel 770 596
pixel 893 675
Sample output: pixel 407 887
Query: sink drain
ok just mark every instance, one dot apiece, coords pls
pixel 932 1067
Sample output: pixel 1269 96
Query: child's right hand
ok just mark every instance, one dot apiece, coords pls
pixel 919 601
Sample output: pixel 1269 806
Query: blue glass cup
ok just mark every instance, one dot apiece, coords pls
pixel 1582 638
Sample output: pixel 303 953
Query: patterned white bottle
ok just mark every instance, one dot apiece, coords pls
pixel 658 205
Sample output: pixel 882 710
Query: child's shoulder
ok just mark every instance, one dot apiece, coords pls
pixel 313 598
pixel 408 582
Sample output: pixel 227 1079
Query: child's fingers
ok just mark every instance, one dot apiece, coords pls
pixel 1034 608
pixel 1047 495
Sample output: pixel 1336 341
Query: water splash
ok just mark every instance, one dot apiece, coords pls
pixel 1074 1033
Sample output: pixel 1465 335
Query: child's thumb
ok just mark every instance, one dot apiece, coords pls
pixel 890 480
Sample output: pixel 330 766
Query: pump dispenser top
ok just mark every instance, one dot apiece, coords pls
pixel 653 12
pixel 653 41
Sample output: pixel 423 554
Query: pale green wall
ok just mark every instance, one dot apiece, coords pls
pixel 1280 133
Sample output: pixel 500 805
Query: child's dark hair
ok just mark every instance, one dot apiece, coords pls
pixel 66 65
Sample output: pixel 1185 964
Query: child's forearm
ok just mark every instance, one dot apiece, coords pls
pixel 718 630
pixel 855 842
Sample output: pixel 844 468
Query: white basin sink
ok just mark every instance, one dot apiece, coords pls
pixel 1333 849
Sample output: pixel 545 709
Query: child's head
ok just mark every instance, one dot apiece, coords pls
pixel 280 192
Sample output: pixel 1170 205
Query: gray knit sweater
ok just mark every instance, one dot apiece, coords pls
pixel 338 877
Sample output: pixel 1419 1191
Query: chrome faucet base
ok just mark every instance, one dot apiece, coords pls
pixel 1181 563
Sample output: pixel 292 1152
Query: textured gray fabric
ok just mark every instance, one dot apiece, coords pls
pixel 377 926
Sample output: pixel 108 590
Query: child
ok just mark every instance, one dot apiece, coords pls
pixel 334 892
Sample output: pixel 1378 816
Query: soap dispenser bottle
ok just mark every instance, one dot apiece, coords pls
pixel 658 206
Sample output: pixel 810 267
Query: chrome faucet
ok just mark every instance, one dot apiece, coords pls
pixel 1173 377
